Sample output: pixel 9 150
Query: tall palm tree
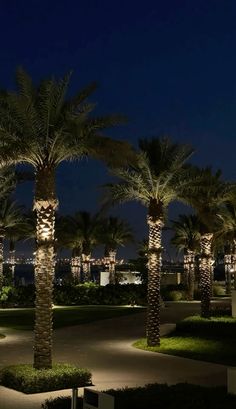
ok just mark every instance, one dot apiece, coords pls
pixel 45 128
pixel 206 198
pixel 10 216
pixel 158 178
pixel 114 233
pixel 187 239
pixel 227 235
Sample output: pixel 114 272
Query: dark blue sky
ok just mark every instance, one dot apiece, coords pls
pixel 170 66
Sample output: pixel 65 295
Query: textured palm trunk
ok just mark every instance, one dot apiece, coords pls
pixel 45 205
pixel 112 266
pixel 86 267
pixel 205 266
pixel 189 268
pixel 186 270
pixel 234 262
pixel 155 225
pixel 12 259
pixel 1 259
pixel 228 261
pixel 76 266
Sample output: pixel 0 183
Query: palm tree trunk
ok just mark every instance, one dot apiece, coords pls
pixel 205 265
pixel 189 266
pixel 1 261
pixel 234 262
pixel 76 266
pixel 45 205
pixel 12 259
pixel 155 224
pixel 86 267
pixel 112 266
pixel 228 266
pixel 186 271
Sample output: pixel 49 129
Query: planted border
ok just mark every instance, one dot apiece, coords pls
pixel 25 378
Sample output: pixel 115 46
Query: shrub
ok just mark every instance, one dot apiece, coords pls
pixel 92 294
pixel 161 396
pixel 80 294
pixel 4 295
pixel 21 296
pixel 25 378
pixel 222 327
pixel 218 290
pixel 174 295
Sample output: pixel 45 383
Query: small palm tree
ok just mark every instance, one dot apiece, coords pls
pixel 10 216
pixel 68 236
pixel 158 178
pixel 227 236
pixel 206 198
pixel 114 233
pixel 86 228
pixel 14 234
pixel 187 239
pixel 43 128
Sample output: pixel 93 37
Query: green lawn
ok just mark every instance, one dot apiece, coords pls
pixel 213 342
pixel 23 318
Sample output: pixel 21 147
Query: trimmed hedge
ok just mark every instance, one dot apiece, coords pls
pixel 161 396
pixel 25 378
pixel 214 327
pixel 81 294
pixel 92 294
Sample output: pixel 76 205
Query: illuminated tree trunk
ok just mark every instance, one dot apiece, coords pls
pixel 205 266
pixel 45 205
pixel 112 266
pixel 189 268
pixel 1 259
pixel 76 265
pixel 228 267
pixel 12 259
pixel 186 270
pixel 234 262
pixel 155 225
pixel 86 266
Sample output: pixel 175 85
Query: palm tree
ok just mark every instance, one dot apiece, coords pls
pixel 187 239
pixel 114 233
pixel 86 229
pixel 158 178
pixel 46 129
pixel 68 236
pixel 15 234
pixel 10 216
pixel 227 236
pixel 206 198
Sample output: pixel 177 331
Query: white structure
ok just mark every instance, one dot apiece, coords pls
pixel 104 278
pixel 124 277
pixel 128 277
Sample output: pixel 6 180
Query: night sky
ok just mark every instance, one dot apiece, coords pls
pixel 169 66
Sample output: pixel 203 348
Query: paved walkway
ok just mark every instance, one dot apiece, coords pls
pixel 105 348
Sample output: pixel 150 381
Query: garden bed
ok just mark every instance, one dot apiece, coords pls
pixel 25 378
pixel 211 340
pixel 184 396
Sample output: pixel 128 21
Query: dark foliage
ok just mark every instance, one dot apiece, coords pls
pixel 184 396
